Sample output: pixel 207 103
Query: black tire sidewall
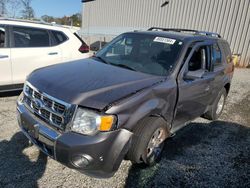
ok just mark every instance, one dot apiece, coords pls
pixel 144 138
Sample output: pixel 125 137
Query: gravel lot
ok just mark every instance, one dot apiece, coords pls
pixel 203 154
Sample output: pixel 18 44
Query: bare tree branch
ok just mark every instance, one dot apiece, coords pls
pixel 13 8
pixel 28 11
pixel 2 7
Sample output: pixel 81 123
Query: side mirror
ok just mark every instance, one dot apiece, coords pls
pixel 192 75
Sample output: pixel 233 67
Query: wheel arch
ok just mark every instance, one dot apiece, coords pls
pixel 151 108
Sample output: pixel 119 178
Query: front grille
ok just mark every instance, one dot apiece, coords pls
pixel 53 111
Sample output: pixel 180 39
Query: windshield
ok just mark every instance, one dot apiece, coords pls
pixel 142 52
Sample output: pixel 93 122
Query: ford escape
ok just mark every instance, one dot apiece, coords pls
pixel 126 100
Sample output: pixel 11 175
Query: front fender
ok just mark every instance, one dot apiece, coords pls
pixel 159 101
pixel 151 107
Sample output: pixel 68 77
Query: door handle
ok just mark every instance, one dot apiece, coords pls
pixel 53 53
pixel 4 56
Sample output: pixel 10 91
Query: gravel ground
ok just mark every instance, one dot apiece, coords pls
pixel 203 154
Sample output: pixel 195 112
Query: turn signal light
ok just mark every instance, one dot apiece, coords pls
pixel 106 123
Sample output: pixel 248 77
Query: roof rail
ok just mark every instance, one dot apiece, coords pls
pixel 196 32
pixel 30 21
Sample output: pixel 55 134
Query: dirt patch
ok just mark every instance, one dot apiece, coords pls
pixel 212 154
pixel 238 111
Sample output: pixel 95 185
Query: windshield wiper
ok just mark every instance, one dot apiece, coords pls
pixel 102 60
pixel 123 66
pixel 118 65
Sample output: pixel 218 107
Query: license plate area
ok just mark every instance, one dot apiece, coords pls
pixel 31 127
pixel 38 134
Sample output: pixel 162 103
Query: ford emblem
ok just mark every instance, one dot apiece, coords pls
pixel 37 104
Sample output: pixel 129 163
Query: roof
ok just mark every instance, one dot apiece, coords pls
pixel 23 21
pixel 26 21
pixel 179 36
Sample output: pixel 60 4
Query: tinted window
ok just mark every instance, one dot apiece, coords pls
pixel 216 55
pixel 59 36
pixel 2 37
pixel 142 52
pixel 227 51
pixel 30 37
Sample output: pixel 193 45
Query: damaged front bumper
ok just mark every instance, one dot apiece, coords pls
pixel 99 155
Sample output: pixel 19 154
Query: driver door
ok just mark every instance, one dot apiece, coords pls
pixel 194 92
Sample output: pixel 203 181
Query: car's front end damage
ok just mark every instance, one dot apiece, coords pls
pixel 83 113
pixel 49 124
pixel 71 122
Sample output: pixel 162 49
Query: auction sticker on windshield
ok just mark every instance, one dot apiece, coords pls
pixel 164 40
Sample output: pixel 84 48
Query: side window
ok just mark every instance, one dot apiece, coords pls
pixel 216 55
pixel 199 59
pixel 60 37
pixel 2 37
pixel 227 51
pixel 30 37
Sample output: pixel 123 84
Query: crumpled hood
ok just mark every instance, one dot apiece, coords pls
pixel 89 83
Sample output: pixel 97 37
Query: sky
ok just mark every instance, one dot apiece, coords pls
pixel 56 8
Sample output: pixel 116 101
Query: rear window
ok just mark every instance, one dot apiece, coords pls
pixel 216 55
pixel 30 37
pixel 60 37
pixel 227 51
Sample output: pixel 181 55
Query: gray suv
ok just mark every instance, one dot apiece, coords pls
pixel 126 100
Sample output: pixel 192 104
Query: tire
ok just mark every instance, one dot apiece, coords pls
pixel 217 107
pixel 144 136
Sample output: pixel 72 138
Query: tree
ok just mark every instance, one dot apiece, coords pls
pixel 2 7
pixel 28 11
pixel 77 19
pixel 74 20
pixel 48 19
pixel 13 8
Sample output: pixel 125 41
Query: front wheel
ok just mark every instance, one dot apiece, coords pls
pixel 148 141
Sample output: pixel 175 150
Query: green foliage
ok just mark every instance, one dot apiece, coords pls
pixel 73 20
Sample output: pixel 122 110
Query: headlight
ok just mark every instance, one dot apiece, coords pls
pixel 89 123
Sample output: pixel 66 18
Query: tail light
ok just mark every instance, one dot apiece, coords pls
pixel 84 48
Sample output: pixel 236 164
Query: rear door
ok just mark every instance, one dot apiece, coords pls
pixel 31 49
pixel 5 61
pixel 194 93
pixel 218 66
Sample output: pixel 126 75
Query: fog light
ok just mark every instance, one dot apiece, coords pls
pixel 81 160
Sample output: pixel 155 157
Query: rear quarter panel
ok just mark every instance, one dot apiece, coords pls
pixel 70 48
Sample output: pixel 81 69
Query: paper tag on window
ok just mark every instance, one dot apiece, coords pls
pixel 164 40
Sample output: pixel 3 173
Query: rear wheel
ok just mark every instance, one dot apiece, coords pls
pixel 217 107
pixel 148 141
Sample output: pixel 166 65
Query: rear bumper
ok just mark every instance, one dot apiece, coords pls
pixel 98 156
